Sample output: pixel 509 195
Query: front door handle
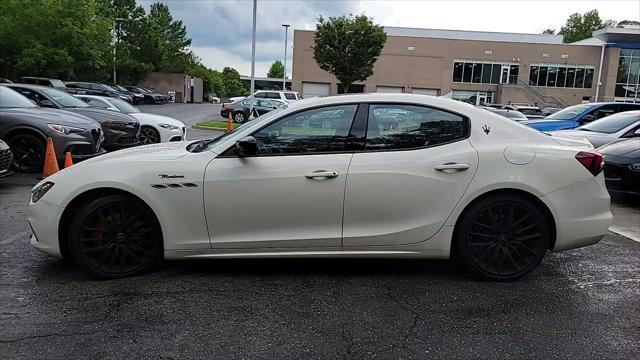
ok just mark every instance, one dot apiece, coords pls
pixel 322 174
pixel 452 167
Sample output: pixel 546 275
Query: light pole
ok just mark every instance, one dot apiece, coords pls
pixel 284 75
pixel 253 54
pixel 115 45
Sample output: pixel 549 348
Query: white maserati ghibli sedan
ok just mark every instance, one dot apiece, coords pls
pixel 370 175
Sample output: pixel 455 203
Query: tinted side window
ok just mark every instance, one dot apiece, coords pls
pixel 604 111
pixel 396 127
pixel 312 131
pixel 273 95
pixel 290 96
pixel 31 95
pixel 96 103
pixel 260 95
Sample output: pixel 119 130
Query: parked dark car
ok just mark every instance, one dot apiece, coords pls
pixel 120 130
pixel 136 98
pixel 25 127
pixel 240 110
pixel 149 96
pixel 622 165
pixel 54 83
pixel 578 115
pixel 160 97
pixel 136 93
pixel 88 88
pixel 6 158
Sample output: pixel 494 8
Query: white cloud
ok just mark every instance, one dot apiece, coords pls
pixel 216 58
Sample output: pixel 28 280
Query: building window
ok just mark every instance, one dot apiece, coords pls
pixel 485 72
pixel 472 96
pixel 628 79
pixel 561 75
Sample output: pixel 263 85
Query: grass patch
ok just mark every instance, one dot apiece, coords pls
pixel 218 125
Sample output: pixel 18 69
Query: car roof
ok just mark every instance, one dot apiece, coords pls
pixel 32 86
pixel 36 78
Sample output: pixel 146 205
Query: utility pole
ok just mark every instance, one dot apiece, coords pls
pixel 115 45
pixel 284 76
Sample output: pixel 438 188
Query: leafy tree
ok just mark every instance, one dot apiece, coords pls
pixel 276 70
pixel 232 84
pixel 549 32
pixel 579 27
pixel 166 46
pixel 211 79
pixel 348 47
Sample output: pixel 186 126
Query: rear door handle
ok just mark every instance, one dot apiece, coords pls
pixel 322 174
pixel 452 167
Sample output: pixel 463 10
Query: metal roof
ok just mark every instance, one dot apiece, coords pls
pixel 474 35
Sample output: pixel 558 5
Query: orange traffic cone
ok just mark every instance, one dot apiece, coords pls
pixel 67 160
pixel 50 161
pixel 229 123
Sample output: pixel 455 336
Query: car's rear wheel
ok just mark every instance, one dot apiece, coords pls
pixel 115 236
pixel 148 135
pixel 239 117
pixel 28 152
pixel 503 237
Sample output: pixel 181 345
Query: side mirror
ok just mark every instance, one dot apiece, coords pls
pixel 636 133
pixel 46 103
pixel 247 146
pixel 588 118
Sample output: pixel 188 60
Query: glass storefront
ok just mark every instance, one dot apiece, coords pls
pixel 628 79
pixel 473 97
pixel 561 75
pixel 485 72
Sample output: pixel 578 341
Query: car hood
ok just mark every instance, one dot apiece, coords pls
pixel 55 116
pixel 626 148
pixel 147 118
pixel 103 115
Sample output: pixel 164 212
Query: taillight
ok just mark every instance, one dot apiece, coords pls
pixel 591 160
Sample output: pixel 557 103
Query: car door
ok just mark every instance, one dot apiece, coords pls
pixel 291 193
pixel 264 106
pixel 416 166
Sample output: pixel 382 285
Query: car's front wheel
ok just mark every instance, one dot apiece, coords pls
pixel 503 237
pixel 28 152
pixel 148 135
pixel 115 236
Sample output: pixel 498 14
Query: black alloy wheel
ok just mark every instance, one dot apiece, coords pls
pixel 148 135
pixel 239 117
pixel 115 236
pixel 28 153
pixel 503 237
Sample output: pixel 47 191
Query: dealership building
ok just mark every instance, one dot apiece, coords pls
pixel 489 67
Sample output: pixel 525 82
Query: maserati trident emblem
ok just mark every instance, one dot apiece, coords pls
pixel 174 176
pixel 486 129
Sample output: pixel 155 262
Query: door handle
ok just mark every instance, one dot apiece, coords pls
pixel 452 167
pixel 322 174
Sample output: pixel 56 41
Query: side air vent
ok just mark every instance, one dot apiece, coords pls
pixel 174 186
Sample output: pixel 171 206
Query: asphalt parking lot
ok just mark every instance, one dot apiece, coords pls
pixel 579 304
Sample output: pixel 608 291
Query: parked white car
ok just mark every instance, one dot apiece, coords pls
pixel 154 128
pixel 603 131
pixel 285 96
pixel 370 175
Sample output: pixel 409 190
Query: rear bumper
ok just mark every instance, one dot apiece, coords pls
pixel 582 213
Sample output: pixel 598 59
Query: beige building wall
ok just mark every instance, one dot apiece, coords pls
pixel 430 65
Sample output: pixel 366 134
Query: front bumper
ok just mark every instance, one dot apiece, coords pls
pixel 81 146
pixel 121 138
pixel 44 218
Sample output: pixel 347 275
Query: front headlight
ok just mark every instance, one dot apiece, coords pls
pixel 168 126
pixel 38 192
pixel 64 129
pixel 634 167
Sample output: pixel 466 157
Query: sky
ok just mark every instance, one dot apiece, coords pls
pixel 221 29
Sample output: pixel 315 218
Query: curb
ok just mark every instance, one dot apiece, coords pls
pixel 207 128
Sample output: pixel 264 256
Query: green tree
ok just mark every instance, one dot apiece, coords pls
pixel 166 44
pixel 211 79
pixel 579 27
pixel 232 84
pixel 348 47
pixel 276 70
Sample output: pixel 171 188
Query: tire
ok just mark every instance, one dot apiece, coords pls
pixel 503 237
pixel 28 152
pixel 148 135
pixel 239 117
pixel 115 236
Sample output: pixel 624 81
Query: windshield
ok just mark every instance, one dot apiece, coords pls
pixel 569 113
pixel 11 99
pixel 123 106
pixel 57 83
pixel 64 99
pixel 110 88
pixel 613 123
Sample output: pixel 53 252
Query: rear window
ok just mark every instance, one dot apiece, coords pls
pixel 56 83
